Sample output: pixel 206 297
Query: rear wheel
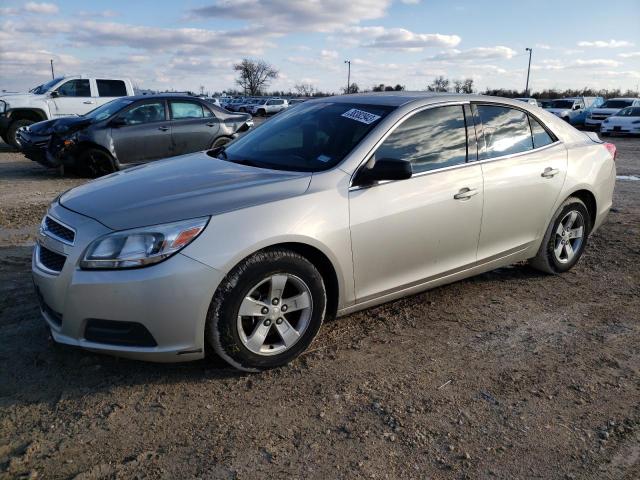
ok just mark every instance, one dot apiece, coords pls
pixel 13 130
pixel 219 142
pixel 94 163
pixel 267 311
pixel 565 239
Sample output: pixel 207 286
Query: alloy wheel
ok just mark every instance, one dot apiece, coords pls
pixel 275 313
pixel 569 237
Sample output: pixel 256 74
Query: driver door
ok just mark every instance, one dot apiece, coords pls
pixel 407 232
pixel 74 98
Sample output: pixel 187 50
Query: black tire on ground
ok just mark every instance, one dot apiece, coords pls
pixel 546 259
pixel 222 330
pixel 95 163
pixel 13 129
pixel 262 113
pixel 219 142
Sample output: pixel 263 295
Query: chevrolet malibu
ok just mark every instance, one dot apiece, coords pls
pixel 337 205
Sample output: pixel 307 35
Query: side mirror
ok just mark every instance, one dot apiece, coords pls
pixel 54 94
pixel 384 169
pixel 117 122
pixel 576 107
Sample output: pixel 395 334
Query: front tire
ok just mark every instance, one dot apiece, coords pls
pixel 565 239
pixel 267 311
pixel 95 163
pixel 219 142
pixel 13 130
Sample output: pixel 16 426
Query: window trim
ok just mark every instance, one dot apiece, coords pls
pixel 477 126
pixel 170 112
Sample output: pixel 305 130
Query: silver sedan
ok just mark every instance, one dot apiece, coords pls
pixel 331 207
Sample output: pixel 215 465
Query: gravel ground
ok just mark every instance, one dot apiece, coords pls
pixel 508 375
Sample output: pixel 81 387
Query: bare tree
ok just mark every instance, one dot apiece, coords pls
pixel 353 88
pixel 254 75
pixel 457 86
pixel 467 85
pixel 439 84
pixel 305 89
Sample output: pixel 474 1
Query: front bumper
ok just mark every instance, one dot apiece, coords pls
pixel 619 130
pixel 170 299
pixel 34 147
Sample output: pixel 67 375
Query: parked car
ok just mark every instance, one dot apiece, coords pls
pixel 132 130
pixel 230 104
pixel 625 121
pixel 574 110
pixel 530 101
pixel 544 102
pixel 342 204
pixel 296 101
pixel 60 97
pixel 268 106
pixel 244 106
pixel 609 107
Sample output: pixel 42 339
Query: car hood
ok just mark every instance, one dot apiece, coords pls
pixel 606 111
pixel 558 111
pixel 48 126
pixel 180 188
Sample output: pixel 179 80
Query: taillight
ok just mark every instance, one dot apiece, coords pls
pixel 612 149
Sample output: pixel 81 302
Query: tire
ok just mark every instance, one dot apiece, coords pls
pixel 566 119
pixel 219 142
pixel 554 256
pixel 13 129
pixel 262 113
pixel 253 342
pixel 95 163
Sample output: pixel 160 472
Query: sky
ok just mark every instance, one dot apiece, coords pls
pixel 186 45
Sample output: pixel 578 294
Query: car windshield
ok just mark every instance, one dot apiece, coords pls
pixel 616 103
pixel 108 109
pixel 310 138
pixel 40 89
pixel 629 112
pixel 561 104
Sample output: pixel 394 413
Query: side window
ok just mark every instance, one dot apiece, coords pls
pixel 431 139
pixel 75 88
pixel 506 131
pixel 182 110
pixel 540 135
pixel 208 113
pixel 111 88
pixel 145 113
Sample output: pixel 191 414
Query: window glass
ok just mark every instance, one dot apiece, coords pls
pixel 506 131
pixel 180 110
pixel 540 135
pixel 145 113
pixel 75 88
pixel 208 113
pixel 433 138
pixel 111 88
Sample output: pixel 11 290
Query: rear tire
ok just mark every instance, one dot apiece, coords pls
pixel 284 300
pixel 95 163
pixel 219 142
pixel 565 239
pixel 13 130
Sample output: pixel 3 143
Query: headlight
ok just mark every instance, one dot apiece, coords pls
pixel 141 246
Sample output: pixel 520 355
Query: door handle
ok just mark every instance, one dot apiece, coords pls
pixel 211 124
pixel 88 102
pixel 163 129
pixel 466 193
pixel 550 172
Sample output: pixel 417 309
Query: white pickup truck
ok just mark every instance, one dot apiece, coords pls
pixel 60 97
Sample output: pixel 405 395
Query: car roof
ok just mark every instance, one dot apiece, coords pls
pixel 161 96
pixel 397 99
pixel 623 98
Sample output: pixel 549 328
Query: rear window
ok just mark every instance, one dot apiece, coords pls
pixel 111 88
pixel 506 131
pixel 181 110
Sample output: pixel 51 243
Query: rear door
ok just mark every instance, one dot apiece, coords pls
pixel 523 168
pixel 194 127
pixel 74 98
pixel 406 232
pixel 145 133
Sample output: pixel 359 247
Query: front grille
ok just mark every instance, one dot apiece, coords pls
pixel 130 334
pixel 50 259
pixel 58 230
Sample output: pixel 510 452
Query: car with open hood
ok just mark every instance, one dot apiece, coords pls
pixel 331 207
pixel 608 108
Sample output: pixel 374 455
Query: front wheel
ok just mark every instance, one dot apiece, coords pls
pixel 219 142
pixel 95 163
pixel 12 132
pixel 267 311
pixel 565 239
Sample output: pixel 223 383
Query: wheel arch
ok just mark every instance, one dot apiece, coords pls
pixel 589 199
pixel 85 145
pixel 35 114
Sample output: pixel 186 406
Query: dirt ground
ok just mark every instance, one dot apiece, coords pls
pixel 509 375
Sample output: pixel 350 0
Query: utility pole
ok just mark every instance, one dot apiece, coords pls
pixel 52 75
pixel 530 50
pixel 348 62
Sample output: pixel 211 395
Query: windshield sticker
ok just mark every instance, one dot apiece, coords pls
pixel 361 116
pixel 323 158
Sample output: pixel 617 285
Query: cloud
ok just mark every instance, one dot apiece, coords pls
pixel 286 16
pixel 543 46
pixel 397 38
pixel 606 44
pixel 45 8
pixel 629 55
pixel 478 53
pixel 597 62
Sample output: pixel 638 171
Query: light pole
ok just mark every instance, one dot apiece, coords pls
pixel 348 62
pixel 530 50
pixel 52 75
